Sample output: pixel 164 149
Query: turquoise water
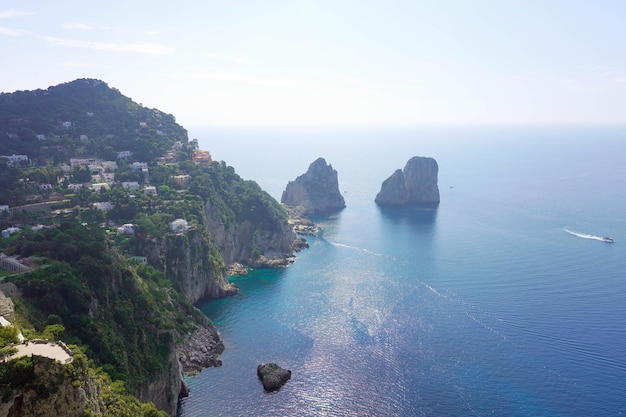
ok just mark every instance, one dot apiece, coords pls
pixel 500 302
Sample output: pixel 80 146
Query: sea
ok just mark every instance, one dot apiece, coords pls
pixel 503 301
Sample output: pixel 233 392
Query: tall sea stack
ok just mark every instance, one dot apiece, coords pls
pixel 415 185
pixel 316 191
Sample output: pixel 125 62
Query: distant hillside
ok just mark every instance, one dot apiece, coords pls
pixel 84 117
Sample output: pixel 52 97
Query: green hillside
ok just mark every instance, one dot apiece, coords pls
pixel 45 124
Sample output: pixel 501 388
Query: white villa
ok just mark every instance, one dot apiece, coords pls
pixel 13 160
pixel 104 206
pixel 179 225
pixel 99 185
pixel 126 229
pixel 131 185
pixel 10 230
pixel 137 166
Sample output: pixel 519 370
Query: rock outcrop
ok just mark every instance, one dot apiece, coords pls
pixel 415 185
pixel 187 258
pixel 272 376
pixel 166 387
pixel 317 190
pixel 52 390
pixel 267 244
pixel 200 350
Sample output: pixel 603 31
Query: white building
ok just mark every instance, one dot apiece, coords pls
pixel 150 190
pixel 98 186
pixel 104 206
pixel 126 229
pixel 4 207
pixel 10 230
pixel 13 160
pixel 79 162
pixel 108 177
pixel 74 186
pixel 95 167
pixel 124 154
pixel 130 185
pixel 109 166
pixel 41 137
pixel 178 225
pixel 137 166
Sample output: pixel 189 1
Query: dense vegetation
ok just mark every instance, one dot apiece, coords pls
pixel 108 122
pixel 45 379
pixel 88 290
pixel 126 315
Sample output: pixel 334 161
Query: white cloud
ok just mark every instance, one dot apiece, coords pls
pixel 10 14
pixel 136 47
pixel 9 32
pixel 88 26
pixel 80 26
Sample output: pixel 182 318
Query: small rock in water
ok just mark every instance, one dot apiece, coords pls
pixel 272 376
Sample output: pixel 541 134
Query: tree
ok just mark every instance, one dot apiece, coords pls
pixel 52 331
pixel 5 352
pixel 8 335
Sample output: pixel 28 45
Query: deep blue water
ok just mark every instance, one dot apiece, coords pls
pixel 484 306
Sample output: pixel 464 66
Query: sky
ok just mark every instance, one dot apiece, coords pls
pixel 331 62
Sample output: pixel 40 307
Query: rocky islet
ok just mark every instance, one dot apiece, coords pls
pixel 416 184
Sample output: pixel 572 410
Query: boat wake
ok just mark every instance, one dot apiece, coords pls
pixel 341 245
pixel 588 236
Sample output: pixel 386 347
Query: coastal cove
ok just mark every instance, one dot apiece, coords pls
pixel 485 306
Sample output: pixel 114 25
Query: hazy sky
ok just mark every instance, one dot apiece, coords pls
pixel 331 61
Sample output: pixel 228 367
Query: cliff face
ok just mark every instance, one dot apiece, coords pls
pixel 415 185
pixel 191 260
pixel 317 190
pixel 64 393
pixel 196 259
pixel 244 241
pixel 167 387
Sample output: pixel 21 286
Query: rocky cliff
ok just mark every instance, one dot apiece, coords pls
pixel 196 260
pixel 191 260
pixel 415 185
pixel 62 397
pixel 266 243
pixel 317 190
pixel 165 389
pixel 48 388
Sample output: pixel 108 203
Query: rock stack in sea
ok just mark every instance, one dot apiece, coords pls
pixel 272 376
pixel 415 185
pixel 316 191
